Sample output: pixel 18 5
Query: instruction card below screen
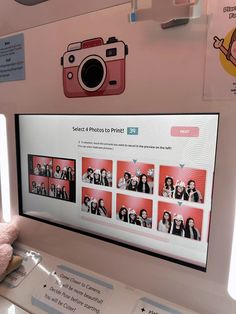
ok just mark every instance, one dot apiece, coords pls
pixel 147 306
pixel 70 291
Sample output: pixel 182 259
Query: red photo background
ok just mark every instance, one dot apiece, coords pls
pixel 96 164
pixel 41 160
pixel 130 166
pixel 135 203
pixel 97 194
pixel 60 183
pixel 38 180
pixel 63 163
pixel 185 211
pixel 183 174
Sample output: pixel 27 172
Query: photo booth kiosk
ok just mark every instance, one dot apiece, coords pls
pixel 117 159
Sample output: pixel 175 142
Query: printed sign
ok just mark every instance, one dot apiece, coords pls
pixel 147 306
pixel 68 290
pixel 12 58
pixel 30 260
pixel 220 78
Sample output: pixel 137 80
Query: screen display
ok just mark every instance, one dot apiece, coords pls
pixel 141 181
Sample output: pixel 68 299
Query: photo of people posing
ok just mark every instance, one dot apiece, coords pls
pixel 96 202
pixel 182 183
pixel 97 171
pixel 38 185
pixel 52 177
pixel 59 189
pixel 182 221
pixel 135 176
pixel 134 210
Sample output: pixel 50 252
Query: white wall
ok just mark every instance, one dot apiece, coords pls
pixel 165 73
pixel 15 16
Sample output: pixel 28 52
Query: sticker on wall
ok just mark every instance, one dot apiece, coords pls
pixel 220 77
pixel 94 68
pixel 12 58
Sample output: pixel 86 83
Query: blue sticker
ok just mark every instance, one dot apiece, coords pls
pixel 133 17
pixel 45 307
pixel 132 131
pixel 85 276
pixel 160 306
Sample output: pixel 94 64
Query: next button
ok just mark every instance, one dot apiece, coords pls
pixel 185 131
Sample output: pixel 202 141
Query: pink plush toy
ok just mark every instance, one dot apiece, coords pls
pixel 8 234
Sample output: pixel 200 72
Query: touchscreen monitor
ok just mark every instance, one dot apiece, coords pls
pixel 141 181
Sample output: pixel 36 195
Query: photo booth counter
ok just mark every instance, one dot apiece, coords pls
pixel 118 160
pixel 53 285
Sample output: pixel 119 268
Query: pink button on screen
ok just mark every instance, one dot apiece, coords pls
pixel 185 131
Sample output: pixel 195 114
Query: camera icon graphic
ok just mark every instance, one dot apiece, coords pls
pixel 94 68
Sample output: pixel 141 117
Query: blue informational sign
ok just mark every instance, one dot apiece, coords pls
pixel 12 58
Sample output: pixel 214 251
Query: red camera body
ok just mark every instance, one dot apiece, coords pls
pixel 94 68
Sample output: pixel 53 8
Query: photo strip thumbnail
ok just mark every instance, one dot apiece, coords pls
pixel 134 210
pixel 96 202
pixel 135 176
pixel 182 183
pixel 38 185
pixel 52 176
pixel 97 171
pixel 183 221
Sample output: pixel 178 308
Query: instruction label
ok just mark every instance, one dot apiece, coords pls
pixel 147 306
pixel 12 58
pixel 70 291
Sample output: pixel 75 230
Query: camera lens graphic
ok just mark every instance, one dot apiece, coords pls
pixel 71 58
pixel 92 73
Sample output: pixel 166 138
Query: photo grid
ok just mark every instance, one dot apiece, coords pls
pixel 178 190
pixel 52 177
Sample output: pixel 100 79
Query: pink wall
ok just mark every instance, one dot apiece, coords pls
pixel 165 74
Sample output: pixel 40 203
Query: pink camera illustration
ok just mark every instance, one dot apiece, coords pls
pixel 94 68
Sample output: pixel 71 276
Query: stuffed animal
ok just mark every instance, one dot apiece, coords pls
pixel 8 262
